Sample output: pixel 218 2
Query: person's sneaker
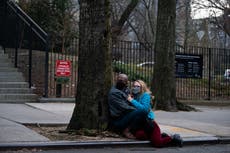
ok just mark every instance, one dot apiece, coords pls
pixel 163 135
pixel 177 140
pixel 128 134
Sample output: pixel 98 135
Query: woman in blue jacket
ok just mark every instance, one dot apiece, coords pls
pixel 141 99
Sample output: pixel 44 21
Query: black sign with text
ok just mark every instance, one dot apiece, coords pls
pixel 189 66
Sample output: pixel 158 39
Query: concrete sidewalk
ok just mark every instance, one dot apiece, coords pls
pixel 209 124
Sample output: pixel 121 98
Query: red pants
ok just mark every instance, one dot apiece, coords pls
pixel 155 137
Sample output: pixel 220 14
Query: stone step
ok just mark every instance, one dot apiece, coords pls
pixel 8 69
pixel 12 78
pixel 6 64
pixel 3 56
pixel 1 50
pixel 14 85
pixel 15 90
pixel 10 74
pixel 19 101
pixel 18 97
pixel 15 97
pixel 4 60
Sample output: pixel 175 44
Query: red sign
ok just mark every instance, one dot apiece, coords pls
pixel 63 68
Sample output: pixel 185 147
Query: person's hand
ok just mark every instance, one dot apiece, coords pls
pixel 129 98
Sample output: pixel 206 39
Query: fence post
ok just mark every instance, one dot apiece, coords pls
pixel 58 90
pixel 16 41
pixel 5 15
pixel 46 67
pixel 30 56
pixel 209 74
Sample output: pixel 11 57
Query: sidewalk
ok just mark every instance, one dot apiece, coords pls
pixel 210 124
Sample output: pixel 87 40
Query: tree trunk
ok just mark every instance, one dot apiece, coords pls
pixel 164 86
pixel 94 72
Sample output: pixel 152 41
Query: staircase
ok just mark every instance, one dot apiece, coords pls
pixel 13 88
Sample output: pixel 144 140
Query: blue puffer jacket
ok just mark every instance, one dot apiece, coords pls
pixel 143 101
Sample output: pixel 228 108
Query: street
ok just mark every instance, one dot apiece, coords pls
pixel 220 148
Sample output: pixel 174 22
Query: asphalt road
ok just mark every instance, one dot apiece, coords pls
pixel 224 148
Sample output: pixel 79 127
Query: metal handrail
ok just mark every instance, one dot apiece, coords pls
pixel 30 22
pixel 40 33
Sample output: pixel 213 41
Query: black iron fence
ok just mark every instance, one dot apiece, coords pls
pixel 137 60
pixel 64 90
pixel 20 31
pixel 213 84
pixel 133 58
pixel 68 88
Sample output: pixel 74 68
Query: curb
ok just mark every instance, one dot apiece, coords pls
pixel 72 144
pixel 224 140
pixel 102 144
pixel 206 102
pixel 57 100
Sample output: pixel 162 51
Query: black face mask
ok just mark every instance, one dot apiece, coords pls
pixel 120 85
pixel 126 90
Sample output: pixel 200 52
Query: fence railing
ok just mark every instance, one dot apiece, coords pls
pixel 137 60
pixel 67 89
pixel 133 58
pixel 213 84
pixel 21 31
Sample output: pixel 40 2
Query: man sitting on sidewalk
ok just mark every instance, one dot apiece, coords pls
pixel 124 118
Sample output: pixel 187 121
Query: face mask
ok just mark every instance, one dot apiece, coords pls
pixel 136 90
pixel 126 90
pixel 120 85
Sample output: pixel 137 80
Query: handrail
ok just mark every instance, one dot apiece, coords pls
pixel 40 33
pixel 30 22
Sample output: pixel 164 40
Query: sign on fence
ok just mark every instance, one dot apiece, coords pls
pixel 63 68
pixel 189 66
pixel 63 71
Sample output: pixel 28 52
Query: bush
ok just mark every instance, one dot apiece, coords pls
pixel 133 71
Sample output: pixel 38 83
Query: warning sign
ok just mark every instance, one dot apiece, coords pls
pixel 63 68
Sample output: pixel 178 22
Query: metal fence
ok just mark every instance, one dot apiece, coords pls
pixel 133 58
pixel 67 89
pixel 137 60
pixel 213 84
pixel 20 31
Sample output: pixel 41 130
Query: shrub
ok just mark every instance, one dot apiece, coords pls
pixel 133 71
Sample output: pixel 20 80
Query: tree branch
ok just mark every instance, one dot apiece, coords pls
pixel 116 30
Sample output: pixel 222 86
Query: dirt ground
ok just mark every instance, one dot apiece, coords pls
pixel 59 133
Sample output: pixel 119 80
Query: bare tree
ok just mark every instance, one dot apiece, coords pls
pixel 120 20
pixel 143 21
pixel 140 24
pixel 164 84
pixel 219 10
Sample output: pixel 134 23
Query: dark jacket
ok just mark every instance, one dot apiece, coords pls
pixel 118 103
